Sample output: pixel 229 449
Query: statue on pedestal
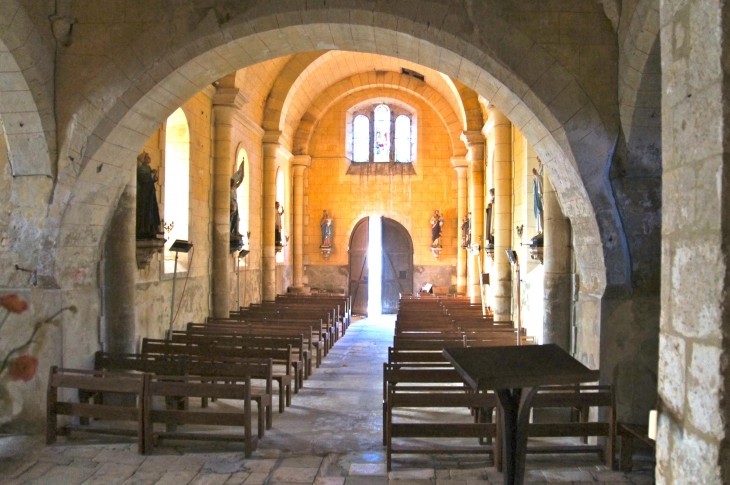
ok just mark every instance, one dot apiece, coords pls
pixel 538 195
pixel 277 225
pixel 490 220
pixel 236 181
pixel 325 225
pixel 466 231
pixel 148 212
pixel 437 223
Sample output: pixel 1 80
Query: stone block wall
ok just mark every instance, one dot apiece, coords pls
pixel 409 199
pixel 154 286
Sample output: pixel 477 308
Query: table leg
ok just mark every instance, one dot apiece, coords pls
pixel 515 409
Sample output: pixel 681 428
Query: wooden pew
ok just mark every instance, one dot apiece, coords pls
pixel 296 342
pixel 209 352
pixel 235 387
pixel 399 396
pixel 96 382
pixel 579 397
pixel 632 434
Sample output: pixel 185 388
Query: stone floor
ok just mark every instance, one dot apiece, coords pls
pixel 331 435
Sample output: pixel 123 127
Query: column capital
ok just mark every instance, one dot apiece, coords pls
pixel 472 138
pixel 459 162
pixel 229 98
pixel 274 144
pixel 497 117
pixel 304 161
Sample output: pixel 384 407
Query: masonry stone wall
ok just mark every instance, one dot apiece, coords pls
pixel 409 199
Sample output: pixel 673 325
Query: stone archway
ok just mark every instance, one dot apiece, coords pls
pixel 570 130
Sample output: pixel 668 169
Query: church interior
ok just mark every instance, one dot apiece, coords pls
pixel 559 162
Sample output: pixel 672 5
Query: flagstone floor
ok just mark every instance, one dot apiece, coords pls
pixel 331 435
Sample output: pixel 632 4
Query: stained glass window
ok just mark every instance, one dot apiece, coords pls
pixel 361 139
pixel 403 139
pixel 381 131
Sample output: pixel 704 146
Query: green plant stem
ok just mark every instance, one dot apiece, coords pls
pixel 36 327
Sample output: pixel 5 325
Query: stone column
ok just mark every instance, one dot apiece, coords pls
pixel 275 154
pixel 557 258
pixel 461 166
pixel 692 441
pixel 501 276
pixel 474 141
pixel 300 164
pixel 226 102
pixel 120 273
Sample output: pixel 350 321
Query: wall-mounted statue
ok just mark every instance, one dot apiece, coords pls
pixel 538 194
pixel 236 181
pixel 490 220
pixel 437 223
pixel 325 224
pixel 466 231
pixel 277 224
pixel 148 212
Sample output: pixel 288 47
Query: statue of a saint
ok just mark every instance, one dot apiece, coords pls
pixel 236 181
pixel 538 195
pixel 490 220
pixel 277 224
pixel 148 212
pixel 325 225
pixel 437 222
pixel 466 231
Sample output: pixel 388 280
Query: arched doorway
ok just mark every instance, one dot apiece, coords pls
pixel 396 269
pixel 397 275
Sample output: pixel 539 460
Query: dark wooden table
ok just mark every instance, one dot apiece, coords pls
pixel 515 373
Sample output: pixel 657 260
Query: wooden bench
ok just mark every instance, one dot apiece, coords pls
pixel 234 387
pixel 578 397
pixel 428 395
pixel 631 435
pixel 255 369
pixel 229 339
pixel 209 352
pixel 96 382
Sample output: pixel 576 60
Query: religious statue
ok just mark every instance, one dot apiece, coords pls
pixel 437 222
pixel 277 224
pixel 325 225
pixel 148 212
pixel 466 231
pixel 538 195
pixel 236 181
pixel 490 220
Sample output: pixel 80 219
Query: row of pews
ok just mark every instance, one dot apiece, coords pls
pixel 257 353
pixel 425 399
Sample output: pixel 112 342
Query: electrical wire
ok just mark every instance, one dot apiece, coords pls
pixel 182 295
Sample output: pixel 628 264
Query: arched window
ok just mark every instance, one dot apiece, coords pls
pixel 374 136
pixel 381 134
pixel 403 139
pixel 361 139
pixel 177 186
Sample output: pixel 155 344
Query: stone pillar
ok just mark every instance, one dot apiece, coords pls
pixel 275 154
pixel 692 441
pixel 461 166
pixel 557 258
pixel 120 273
pixel 226 102
pixel 474 142
pixel 300 164
pixel 501 276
